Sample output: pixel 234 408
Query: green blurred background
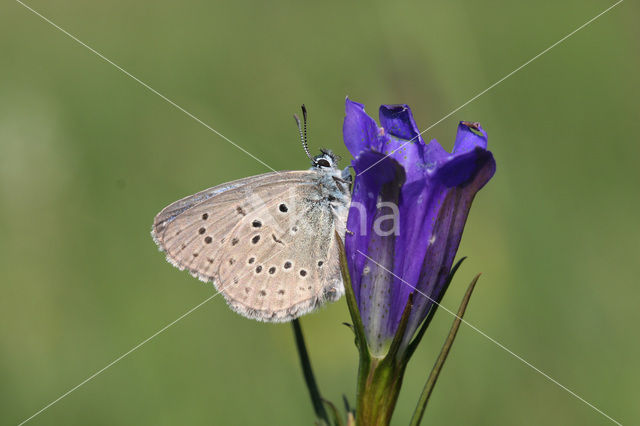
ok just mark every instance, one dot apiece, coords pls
pixel 88 156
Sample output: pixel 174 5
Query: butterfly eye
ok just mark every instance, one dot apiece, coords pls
pixel 323 163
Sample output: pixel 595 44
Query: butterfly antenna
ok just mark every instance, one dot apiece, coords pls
pixel 305 119
pixel 303 133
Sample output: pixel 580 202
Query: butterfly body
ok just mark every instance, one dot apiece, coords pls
pixel 267 242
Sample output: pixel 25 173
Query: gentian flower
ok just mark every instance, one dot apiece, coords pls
pixel 409 206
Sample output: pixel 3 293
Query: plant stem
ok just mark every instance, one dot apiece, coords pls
pixel 378 394
pixel 444 352
pixel 309 378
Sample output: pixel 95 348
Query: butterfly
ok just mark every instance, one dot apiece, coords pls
pixel 267 242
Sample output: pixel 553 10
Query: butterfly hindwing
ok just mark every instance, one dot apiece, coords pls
pixel 278 263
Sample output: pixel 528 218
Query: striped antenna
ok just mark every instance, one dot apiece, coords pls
pixel 303 133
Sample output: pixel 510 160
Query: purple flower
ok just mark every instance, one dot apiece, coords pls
pixel 409 206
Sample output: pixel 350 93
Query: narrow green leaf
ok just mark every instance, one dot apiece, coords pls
pixel 432 311
pixel 402 327
pixel 347 406
pixel 337 420
pixel 444 352
pixel 307 371
pixel 358 326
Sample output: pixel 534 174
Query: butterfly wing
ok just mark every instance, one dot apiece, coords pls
pixel 281 261
pixel 213 235
pixel 177 228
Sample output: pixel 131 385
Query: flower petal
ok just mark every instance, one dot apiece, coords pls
pixel 470 136
pixel 434 155
pixel 463 168
pixel 371 223
pixel 359 130
pixel 442 231
pixel 433 213
pixel 401 140
pixel 398 121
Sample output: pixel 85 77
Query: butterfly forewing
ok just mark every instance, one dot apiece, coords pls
pixel 267 243
pixel 178 228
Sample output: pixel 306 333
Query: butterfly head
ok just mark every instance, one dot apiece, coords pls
pixel 326 160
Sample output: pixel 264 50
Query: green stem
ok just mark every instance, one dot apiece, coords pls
pixel 378 395
pixel 380 389
pixel 309 378
pixel 444 352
